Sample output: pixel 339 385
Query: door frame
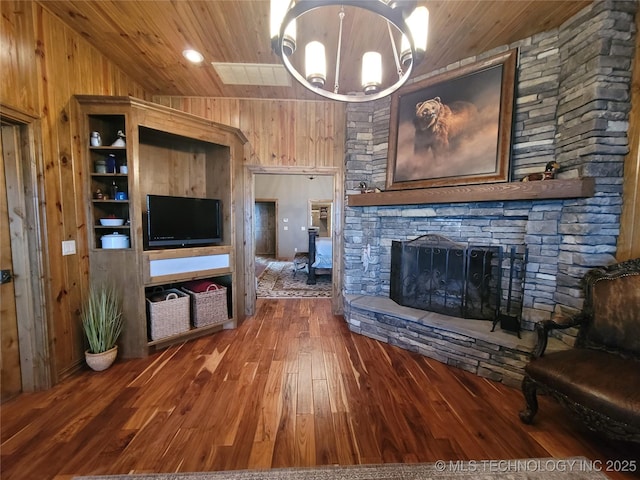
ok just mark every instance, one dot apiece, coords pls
pixel 29 250
pixel 250 171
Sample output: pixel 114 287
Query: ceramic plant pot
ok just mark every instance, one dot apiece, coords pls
pixel 101 361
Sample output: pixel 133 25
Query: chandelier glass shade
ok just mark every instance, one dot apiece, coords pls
pixel 315 67
pixel 400 22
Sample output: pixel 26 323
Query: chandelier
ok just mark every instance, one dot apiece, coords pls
pixel 403 21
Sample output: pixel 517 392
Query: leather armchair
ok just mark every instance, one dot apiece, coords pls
pixel 599 378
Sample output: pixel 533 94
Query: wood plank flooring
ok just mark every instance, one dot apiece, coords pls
pixel 290 387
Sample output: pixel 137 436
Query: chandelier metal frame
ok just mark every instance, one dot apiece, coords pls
pixel 395 13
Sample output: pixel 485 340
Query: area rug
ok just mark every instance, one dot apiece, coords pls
pixel 576 468
pixel 278 281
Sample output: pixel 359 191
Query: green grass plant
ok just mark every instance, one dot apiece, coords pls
pixel 102 318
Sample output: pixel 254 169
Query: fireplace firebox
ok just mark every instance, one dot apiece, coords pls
pixel 436 274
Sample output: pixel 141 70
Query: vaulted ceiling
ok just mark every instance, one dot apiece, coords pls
pixel 146 38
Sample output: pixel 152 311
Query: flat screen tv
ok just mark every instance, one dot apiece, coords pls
pixel 183 221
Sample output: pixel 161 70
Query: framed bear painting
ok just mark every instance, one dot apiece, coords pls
pixel 453 128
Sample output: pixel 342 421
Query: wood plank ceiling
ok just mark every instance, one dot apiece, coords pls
pixel 146 38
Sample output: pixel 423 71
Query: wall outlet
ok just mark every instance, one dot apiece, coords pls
pixel 68 247
pixel 295 249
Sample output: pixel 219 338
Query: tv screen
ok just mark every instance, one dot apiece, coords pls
pixel 183 221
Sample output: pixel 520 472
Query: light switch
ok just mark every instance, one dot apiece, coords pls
pixel 286 227
pixel 68 247
pixel 302 228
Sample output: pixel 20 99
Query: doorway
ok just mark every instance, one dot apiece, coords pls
pixel 320 215
pixel 266 240
pixel 11 378
pixel 292 222
pixel 265 227
pixel 25 340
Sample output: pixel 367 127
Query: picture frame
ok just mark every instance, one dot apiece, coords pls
pixel 454 128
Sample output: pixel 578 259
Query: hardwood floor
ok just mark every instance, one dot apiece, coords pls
pixel 261 262
pixel 290 387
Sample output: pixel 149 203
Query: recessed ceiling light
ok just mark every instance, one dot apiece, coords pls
pixel 193 56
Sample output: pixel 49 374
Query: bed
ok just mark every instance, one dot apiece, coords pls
pixel 320 256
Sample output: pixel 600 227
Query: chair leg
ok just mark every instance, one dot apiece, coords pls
pixel 529 391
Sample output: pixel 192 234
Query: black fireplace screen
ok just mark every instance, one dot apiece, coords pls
pixel 435 274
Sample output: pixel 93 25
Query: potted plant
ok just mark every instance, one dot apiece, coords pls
pixel 102 324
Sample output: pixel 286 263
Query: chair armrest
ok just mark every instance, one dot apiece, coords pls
pixel 543 328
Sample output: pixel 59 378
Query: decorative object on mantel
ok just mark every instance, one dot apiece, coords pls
pixel 549 173
pixel 454 128
pixel 363 188
pixel 119 142
pixel 405 23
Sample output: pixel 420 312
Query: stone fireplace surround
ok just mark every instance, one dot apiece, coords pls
pixel 572 105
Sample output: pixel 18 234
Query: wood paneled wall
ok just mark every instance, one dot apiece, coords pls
pixel 280 132
pixel 44 63
pixel 285 136
pixel 629 239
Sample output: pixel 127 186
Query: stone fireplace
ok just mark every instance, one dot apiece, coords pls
pixel 572 106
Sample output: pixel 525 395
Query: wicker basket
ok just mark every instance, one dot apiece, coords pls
pixel 208 307
pixel 169 316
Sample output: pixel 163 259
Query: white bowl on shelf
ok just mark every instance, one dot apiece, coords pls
pixel 111 222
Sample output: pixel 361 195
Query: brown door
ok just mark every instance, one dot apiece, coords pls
pixel 11 383
pixel 265 228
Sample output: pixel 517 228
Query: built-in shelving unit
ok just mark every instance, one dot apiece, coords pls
pixel 107 179
pixel 167 152
pixel 488 192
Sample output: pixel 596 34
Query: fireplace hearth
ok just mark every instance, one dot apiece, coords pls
pixel 436 274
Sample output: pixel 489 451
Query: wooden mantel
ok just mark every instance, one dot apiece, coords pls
pixel 488 192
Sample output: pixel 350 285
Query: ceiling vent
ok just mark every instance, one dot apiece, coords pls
pixel 263 74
